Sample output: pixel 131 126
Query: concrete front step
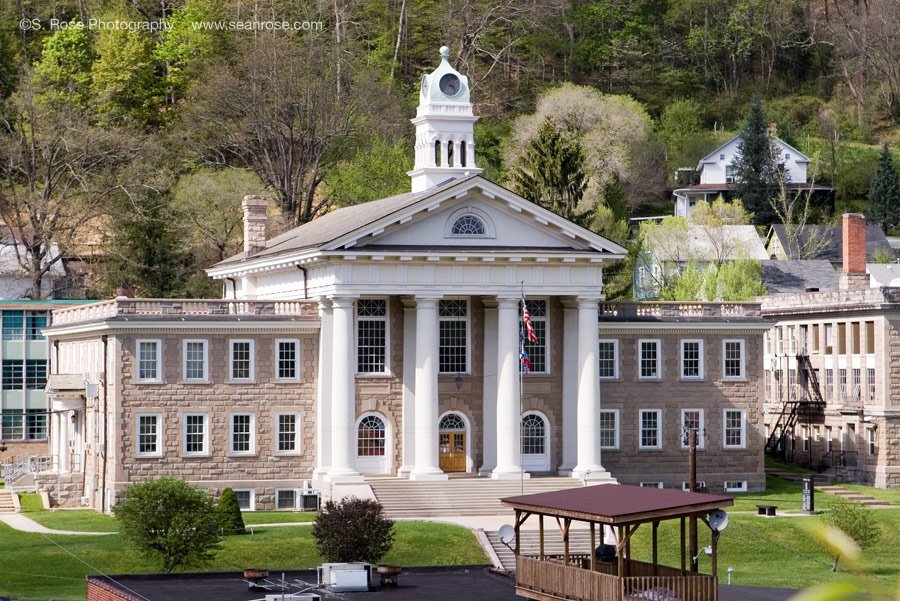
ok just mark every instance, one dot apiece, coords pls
pixel 7 503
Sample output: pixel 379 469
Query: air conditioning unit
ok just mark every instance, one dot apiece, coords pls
pixel 85 501
pixel 309 500
pixel 346 577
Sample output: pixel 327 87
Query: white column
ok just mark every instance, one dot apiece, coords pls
pixel 323 392
pixel 569 389
pixel 489 390
pixel 54 437
pixel 588 411
pixel 408 419
pixel 343 392
pixel 470 151
pixel 65 422
pixel 444 157
pixel 426 418
pixel 509 405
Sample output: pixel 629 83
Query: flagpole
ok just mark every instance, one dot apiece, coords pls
pixel 521 396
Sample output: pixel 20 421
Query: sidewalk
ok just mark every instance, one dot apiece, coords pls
pixel 17 521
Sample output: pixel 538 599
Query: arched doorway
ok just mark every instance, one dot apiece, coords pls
pixel 535 442
pixel 453 443
pixel 372 444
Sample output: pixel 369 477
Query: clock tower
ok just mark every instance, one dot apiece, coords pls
pixel 445 138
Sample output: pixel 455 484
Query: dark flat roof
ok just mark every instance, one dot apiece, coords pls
pixel 618 503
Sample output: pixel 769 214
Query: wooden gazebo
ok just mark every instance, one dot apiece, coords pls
pixel 623 508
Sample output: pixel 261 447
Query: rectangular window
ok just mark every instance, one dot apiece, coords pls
pixel 733 359
pixel 870 337
pixel 240 360
pixel 648 359
pixel 842 338
pixel 814 339
pixel 842 381
pixel 13 374
pixel 287 356
pixel 856 389
pixel 854 338
pixel 242 435
pixel 148 432
pixel 13 325
pixel 371 336
pixel 36 424
pixel 286 499
pixel 779 382
pixel 149 361
pixel 829 439
pixel 792 385
pixel 12 426
pixel 734 429
pixel 246 499
pixel 650 435
pixel 537 352
pixel 804 436
pixel 768 385
pixel 35 321
pixel 288 433
pixel 195 361
pixel 651 484
pixel 35 374
pixel 870 384
pixel 692 359
pixel 195 434
pixel 692 421
pixel 735 486
pixel 609 359
pixel 829 384
pixel 872 440
pixel 453 332
pixel 609 429
pixel 817 434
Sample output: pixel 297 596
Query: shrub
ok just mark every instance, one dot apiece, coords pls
pixel 170 521
pixel 353 530
pixel 856 521
pixel 230 518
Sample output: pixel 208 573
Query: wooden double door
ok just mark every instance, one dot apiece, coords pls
pixel 452 445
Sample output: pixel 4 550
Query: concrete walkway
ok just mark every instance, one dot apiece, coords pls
pixel 18 521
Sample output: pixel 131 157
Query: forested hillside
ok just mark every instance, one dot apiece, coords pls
pixel 133 136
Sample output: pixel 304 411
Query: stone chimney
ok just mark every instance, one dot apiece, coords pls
pixel 853 272
pixel 254 223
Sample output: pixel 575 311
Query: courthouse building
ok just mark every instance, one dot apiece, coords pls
pixel 384 338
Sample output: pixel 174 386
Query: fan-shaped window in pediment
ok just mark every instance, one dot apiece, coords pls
pixel 468 225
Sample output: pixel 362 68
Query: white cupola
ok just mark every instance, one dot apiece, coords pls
pixel 445 134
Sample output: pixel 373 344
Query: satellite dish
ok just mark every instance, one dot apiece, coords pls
pixel 506 534
pixel 718 520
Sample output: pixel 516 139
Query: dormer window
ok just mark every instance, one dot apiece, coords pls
pixel 468 225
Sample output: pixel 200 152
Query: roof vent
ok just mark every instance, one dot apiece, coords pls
pixel 811 290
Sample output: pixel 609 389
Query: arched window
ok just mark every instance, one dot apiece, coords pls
pixel 462 153
pixel 468 225
pixel 450 151
pixel 370 437
pixel 452 421
pixel 437 153
pixel 533 434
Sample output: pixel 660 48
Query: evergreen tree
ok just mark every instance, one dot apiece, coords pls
pixel 551 172
pixel 230 518
pixel 884 192
pixel 755 171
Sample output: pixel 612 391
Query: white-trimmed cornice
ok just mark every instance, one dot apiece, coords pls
pixel 184 327
pixel 711 327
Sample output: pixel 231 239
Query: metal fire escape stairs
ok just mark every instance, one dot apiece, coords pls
pixel 806 407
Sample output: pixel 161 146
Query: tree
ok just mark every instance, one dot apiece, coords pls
pixel 682 132
pixel 374 172
pixel 794 209
pixel 550 172
pixel 230 517
pixel 353 530
pixel 884 192
pixel 63 74
pixel 856 521
pixel 170 521
pixel 755 169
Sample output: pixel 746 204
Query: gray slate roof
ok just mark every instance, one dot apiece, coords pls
pixel 832 237
pixel 782 277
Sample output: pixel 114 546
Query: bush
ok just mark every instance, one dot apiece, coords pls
pixel 170 521
pixel 353 530
pixel 856 521
pixel 230 518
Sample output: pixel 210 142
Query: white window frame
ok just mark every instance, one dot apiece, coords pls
pixel 386 318
pixel 137 435
pixel 298 359
pixel 700 365
pixel 252 492
pixel 184 361
pixel 651 485
pixel 743 347
pixel 252 377
pixel 252 450
pixel 659 429
pixel 296 492
pixel 640 345
pixel 615 344
pixel 686 486
pixel 298 438
pixel 615 413
pixel 804 437
pixel 743 444
pixel 829 439
pixel 137 361
pixel 872 442
pixel 730 486
pixel 468 321
pixel 701 434
pixel 545 319
pixel 184 433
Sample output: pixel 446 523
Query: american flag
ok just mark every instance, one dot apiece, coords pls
pixel 523 354
pixel 529 327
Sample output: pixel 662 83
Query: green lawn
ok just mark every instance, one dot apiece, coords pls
pixel 787 467
pixel 784 494
pixel 30 501
pixel 277 517
pixel 34 567
pixel 891 496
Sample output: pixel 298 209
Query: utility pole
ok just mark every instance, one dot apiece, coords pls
pixel 692 486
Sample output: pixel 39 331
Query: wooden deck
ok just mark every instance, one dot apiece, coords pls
pixel 552 579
